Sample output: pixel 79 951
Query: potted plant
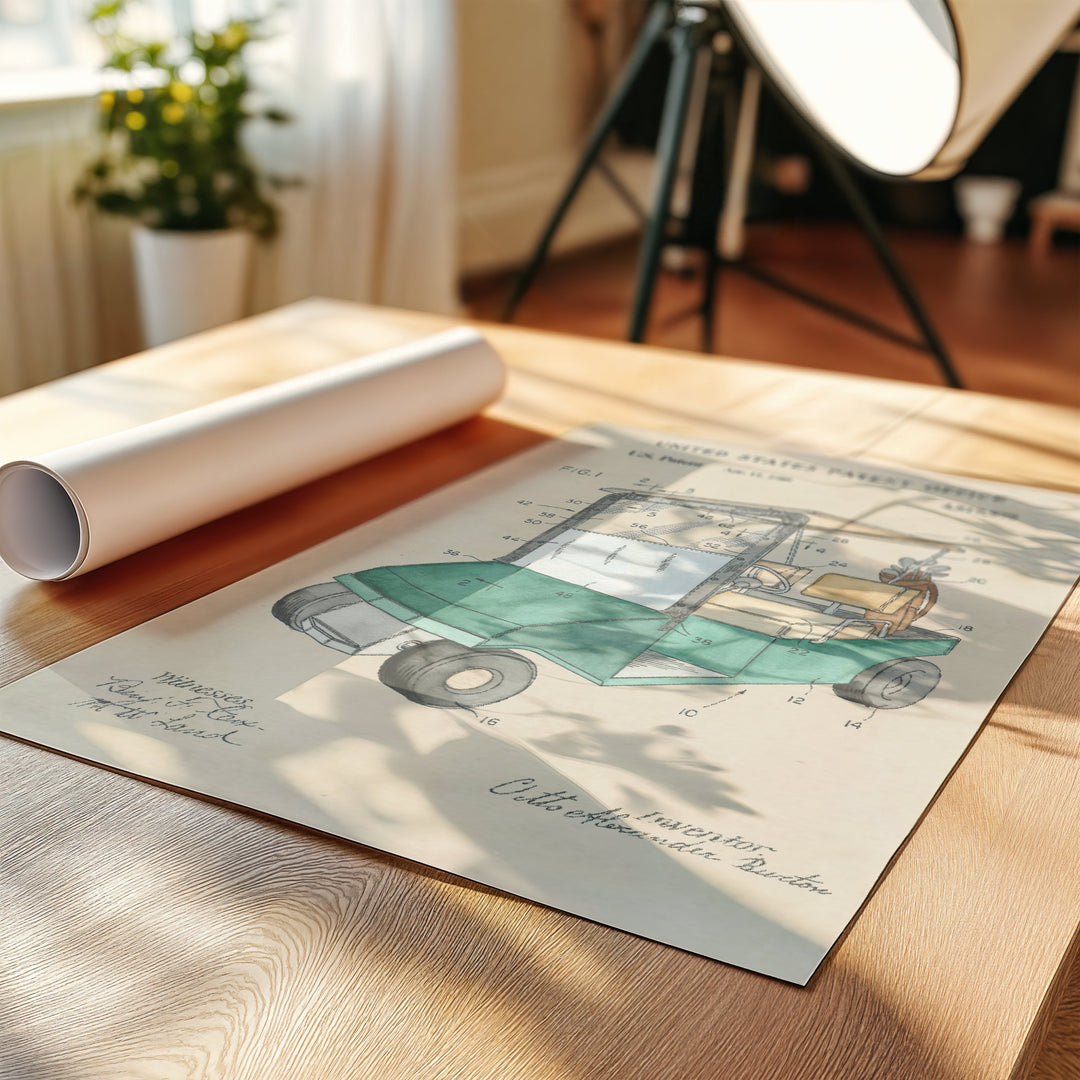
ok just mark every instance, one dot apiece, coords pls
pixel 172 159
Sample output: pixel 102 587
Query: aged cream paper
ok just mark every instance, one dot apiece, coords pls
pixel 696 692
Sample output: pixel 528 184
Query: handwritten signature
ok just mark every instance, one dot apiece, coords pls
pixel 185 713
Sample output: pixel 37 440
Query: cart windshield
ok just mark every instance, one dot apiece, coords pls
pixel 655 550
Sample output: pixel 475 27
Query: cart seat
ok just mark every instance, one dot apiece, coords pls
pixel 861 593
pixel 775 618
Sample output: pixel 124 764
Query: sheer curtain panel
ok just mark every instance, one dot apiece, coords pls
pixel 48 320
pixel 374 215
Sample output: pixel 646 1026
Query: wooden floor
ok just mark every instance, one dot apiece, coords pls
pixel 1011 321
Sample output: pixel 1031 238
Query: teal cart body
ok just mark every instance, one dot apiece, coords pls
pixel 636 590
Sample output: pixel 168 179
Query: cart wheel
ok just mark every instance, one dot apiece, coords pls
pixel 892 684
pixel 297 607
pixel 446 675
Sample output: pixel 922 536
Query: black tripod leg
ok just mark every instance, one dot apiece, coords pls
pixel 717 195
pixel 652 31
pixel 685 39
pixel 867 219
pixel 709 301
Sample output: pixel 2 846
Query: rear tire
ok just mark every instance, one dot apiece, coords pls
pixel 445 675
pixel 893 684
pixel 295 608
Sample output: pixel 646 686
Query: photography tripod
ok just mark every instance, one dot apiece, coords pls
pixel 689 26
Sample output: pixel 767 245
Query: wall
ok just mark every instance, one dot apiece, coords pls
pixel 529 82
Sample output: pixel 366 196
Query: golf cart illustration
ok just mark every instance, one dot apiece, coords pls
pixel 636 589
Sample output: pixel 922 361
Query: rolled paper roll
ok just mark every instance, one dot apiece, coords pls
pixel 66 512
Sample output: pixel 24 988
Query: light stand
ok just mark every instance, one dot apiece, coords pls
pixel 689 27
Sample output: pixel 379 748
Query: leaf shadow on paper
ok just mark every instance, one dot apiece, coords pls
pixel 266 879
pixel 527 846
pixel 321 958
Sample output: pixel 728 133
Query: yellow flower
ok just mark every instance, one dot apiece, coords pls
pixel 135 121
pixel 169 169
pixel 135 96
pixel 172 113
pixel 106 100
pixel 234 36
pixel 181 92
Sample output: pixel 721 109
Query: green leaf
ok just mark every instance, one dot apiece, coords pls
pixel 209 181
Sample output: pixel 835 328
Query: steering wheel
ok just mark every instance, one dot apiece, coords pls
pixel 752 580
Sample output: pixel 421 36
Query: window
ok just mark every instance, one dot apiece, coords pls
pixel 48 51
pixel 37 35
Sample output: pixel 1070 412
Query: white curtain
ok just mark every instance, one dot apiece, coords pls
pixel 373 145
pixel 45 263
pixel 372 86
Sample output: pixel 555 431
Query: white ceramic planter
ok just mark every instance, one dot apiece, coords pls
pixel 189 281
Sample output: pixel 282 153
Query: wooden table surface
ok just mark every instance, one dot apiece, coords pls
pixel 150 934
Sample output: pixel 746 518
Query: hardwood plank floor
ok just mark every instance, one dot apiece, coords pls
pixel 1010 320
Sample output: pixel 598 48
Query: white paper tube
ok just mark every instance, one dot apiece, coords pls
pixel 69 511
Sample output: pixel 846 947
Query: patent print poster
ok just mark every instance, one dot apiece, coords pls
pixel 695 692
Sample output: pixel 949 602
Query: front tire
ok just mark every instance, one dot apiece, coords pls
pixel 445 675
pixel 893 684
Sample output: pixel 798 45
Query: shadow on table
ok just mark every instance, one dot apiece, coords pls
pixel 153 934
pixel 42 622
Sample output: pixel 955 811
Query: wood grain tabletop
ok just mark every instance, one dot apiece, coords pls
pixel 150 934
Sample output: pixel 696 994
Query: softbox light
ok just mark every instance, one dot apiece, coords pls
pixel 906 88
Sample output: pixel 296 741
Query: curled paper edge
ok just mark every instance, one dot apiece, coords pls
pixel 44 533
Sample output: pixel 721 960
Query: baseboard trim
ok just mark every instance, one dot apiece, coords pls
pixel 502 210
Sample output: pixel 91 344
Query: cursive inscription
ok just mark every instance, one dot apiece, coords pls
pixel 683 837
pixel 174 703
